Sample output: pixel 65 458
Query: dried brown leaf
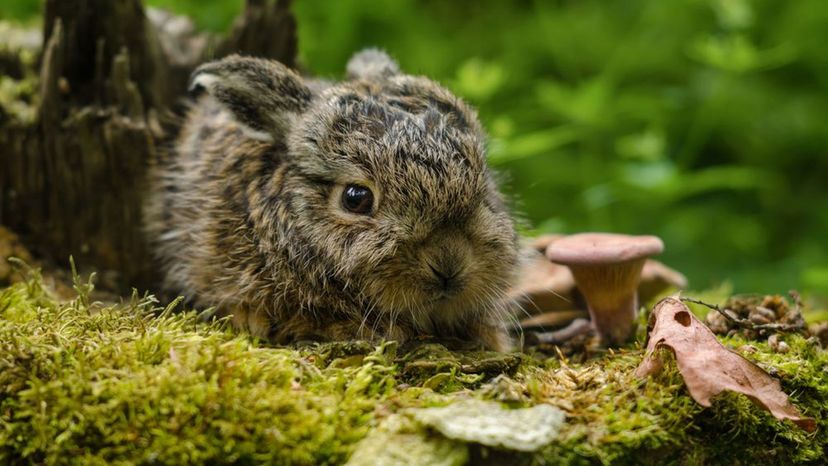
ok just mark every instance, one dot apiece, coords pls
pixel 708 368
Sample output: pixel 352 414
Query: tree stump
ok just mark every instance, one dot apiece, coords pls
pixel 75 149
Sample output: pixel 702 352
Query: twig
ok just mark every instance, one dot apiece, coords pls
pixel 713 307
pixel 745 323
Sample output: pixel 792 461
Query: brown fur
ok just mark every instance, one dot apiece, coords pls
pixel 245 214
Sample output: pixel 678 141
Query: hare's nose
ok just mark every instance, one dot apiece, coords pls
pixel 445 259
pixel 447 269
pixel 447 276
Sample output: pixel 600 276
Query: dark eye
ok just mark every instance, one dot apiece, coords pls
pixel 357 199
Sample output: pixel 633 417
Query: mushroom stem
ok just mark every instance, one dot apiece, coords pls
pixel 612 297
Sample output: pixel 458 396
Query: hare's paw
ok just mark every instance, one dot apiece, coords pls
pixel 493 336
pixel 256 323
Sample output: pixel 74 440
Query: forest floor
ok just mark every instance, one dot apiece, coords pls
pixel 100 379
pixel 136 382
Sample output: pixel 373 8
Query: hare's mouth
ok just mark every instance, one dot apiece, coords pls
pixel 425 295
pixel 421 302
pixel 447 293
pixel 444 296
pixel 445 301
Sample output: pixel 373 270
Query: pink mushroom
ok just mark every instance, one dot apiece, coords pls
pixel 607 270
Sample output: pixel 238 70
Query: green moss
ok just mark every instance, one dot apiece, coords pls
pixel 18 77
pixel 117 383
pixel 137 383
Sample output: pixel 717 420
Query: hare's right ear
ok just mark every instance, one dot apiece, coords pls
pixel 263 95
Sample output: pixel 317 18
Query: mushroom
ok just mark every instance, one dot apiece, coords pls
pixel 546 287
pixel 540 243
pixel 543 286
pixel 657 278
pixel 551 320
pixel 607 270
pixel 577 327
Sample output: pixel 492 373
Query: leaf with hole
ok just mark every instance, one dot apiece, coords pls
pixel 708 368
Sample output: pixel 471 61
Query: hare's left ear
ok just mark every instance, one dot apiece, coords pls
pixel 263 95
pixel 372 64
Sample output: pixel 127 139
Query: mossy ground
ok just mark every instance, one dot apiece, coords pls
pixel 135 383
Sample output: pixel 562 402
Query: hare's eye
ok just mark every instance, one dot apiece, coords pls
pixel 357 199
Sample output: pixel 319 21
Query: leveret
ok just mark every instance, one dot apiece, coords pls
pixel 309 209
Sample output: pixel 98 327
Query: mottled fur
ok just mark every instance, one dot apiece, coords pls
pixel 246 214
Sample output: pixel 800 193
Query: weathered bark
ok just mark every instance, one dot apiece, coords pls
pixel 72 179
pixel 265 28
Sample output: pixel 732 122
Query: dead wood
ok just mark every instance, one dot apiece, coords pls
pixel 73 177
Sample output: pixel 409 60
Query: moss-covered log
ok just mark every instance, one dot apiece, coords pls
pixel 74 156
pixel 82 382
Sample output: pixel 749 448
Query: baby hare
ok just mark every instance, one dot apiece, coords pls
pixel 334 210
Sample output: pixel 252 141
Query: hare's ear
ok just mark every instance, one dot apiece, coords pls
pixel 263 95
pixel 372 64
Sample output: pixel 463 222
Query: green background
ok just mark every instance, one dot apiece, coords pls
pixel 702 121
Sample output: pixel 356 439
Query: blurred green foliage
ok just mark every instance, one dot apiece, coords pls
pixel 702 121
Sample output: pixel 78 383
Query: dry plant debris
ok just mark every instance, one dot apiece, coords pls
pixel 757 317
pixel 708 368
pixel 820 331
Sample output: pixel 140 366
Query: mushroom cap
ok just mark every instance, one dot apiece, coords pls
pixel 602 248
pixel 540 243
